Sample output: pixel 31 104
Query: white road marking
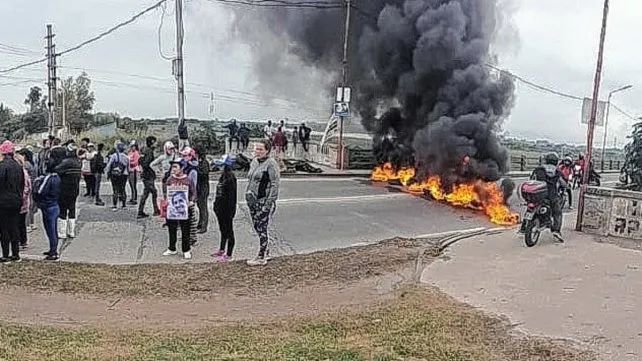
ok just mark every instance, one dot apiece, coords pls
pixel 341 199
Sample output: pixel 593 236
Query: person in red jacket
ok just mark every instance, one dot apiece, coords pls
pixel 278 143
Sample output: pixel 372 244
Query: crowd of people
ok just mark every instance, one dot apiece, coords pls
pixel 49 181
pixel 291 142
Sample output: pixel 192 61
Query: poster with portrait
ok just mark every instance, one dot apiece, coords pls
pixel 177 202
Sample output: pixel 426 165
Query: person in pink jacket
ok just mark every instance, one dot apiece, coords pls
pixel 134 171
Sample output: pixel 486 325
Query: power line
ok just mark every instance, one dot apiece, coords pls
pixel 17 49
pixel 160 32
pixel 282 4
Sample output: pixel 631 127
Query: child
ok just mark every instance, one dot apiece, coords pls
pixel 180 196
pixel 225 209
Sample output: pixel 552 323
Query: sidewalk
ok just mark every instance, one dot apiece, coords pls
pixel 582 290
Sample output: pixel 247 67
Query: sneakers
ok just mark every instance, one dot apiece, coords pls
pixel 558 237
pixel 15 259
pixel 142 215
pixel 51 257
pixel 100 203
pixel 224 259
pixel 218 253
pixel 114 209
pixel 4 260
pixel 257 262
pixel 187 255
pixel 169 253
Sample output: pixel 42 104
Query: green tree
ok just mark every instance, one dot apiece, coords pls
pixel 9 123
pixel 36 119
pixel 78 102
pixel 633 157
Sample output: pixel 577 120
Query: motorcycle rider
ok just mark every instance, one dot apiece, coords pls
pixel 554 178
pixel 566 167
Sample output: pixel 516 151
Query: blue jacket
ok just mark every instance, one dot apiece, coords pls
pixel 49 192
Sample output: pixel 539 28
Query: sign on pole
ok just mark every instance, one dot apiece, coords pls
pixel 586 112
pixel 344 94
pixel 341 109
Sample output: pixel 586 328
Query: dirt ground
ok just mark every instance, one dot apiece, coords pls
pixel 351 304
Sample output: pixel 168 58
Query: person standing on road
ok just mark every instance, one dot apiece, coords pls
pixel 261 195
pixel 566 168
pixel 26 201
pixel 244 136
pixel 33 174
pixel 149 177
pixel 295 142
pixel 304 137
pixel 202 191
pixel 179 186
pixel 12 182
pixel 279 144
pixel 118 172
pixel 268 130
pixel 189 163
pixel 134 171
pixel 97 169
pixel 46 191
pixel 69 172
pixel 233 129
pixel 164 161
pixel 88 175
pixel 225 209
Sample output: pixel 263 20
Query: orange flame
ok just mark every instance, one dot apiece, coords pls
pixel 478 195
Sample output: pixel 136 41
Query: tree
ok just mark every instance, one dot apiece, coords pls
pixel 78 102
pixel 36 119
pixel 104 118
pixel 9 122
pixel 33 99
pixel 633 158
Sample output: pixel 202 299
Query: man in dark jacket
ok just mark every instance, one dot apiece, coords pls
pixel 225 208
pixel 149 177
pixel 233 129
pixel 202 190
pixel 12 182
pixel 244 136
pixel 70 173
pixel 304 136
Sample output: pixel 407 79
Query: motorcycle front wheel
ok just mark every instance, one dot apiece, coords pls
pixel 531 232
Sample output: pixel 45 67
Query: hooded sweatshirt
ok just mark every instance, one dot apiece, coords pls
pixel 12 182
pixel 70 174
pixel 263 182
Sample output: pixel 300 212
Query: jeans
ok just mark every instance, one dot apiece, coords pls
pixel 118 186
pixel 49 216
pixel 148 188
pixel 133 179
pixel 9 233
pixel 172 226
pixel 98 177
pixel 226 226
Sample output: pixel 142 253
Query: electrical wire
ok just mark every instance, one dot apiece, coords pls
pixel 17 49
pixel 160 32
pixel 282 4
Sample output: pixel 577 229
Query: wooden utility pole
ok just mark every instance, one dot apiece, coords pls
pixel 344 81
pixel 591 125
pixel 178 73
pixel 51 79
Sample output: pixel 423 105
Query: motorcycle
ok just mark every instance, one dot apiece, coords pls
pixel 577 175
pixel 594 178
pixel 538 215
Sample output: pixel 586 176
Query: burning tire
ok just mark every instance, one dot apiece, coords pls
pixel 531 232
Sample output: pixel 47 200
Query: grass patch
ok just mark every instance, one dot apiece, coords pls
pixel 178 280
pixel 419 324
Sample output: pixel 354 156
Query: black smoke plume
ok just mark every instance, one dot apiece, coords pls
pixel 418 73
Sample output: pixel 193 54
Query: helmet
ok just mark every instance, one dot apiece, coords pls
pixel 568 160
pixel 551 158
pixel 120 147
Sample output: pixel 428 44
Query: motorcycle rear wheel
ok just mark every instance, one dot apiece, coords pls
pixel 531 232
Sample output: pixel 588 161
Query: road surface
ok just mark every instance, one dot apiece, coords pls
pixel 312 214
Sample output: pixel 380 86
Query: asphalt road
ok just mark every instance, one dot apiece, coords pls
pixel 312 214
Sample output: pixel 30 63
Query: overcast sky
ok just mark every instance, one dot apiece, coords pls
pixel 555 45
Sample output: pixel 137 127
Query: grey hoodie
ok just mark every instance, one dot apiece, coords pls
pixel 263 182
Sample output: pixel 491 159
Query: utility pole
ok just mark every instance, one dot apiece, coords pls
pixel 344 80
pixel 51 79
pixel 591 125
pixel 178 73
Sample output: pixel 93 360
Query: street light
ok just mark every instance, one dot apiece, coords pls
pixel 606 122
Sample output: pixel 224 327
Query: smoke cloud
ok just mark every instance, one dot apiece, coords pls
pixel 417 69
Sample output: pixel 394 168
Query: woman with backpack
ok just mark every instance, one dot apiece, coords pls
pixel 118 172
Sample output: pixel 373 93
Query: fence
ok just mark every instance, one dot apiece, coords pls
pixel 520 162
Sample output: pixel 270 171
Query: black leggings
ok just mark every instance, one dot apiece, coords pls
pixel 90 182
pixel 22 228
pixel 67 207
pixel 226 226
pixel 118 186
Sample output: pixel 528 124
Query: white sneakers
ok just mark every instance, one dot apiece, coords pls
pixel 169 253
pixel 257 262
pixel 186 255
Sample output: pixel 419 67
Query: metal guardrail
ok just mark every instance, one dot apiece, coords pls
pixel 523 163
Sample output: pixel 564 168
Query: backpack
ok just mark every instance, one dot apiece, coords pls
pixel 117 168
